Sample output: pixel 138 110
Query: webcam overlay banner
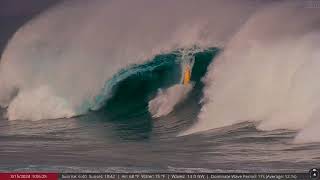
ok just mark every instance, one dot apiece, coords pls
pixel 312 174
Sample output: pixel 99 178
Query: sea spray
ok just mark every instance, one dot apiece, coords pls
pixel 167 99
pixel 267 74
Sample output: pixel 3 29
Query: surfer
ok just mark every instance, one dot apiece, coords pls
pixel 186 75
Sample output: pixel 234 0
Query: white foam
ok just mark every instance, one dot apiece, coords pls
pixel 268 74
pixel 167 99
pixel 37 104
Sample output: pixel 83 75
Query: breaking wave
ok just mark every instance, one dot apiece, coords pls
pixel 76 58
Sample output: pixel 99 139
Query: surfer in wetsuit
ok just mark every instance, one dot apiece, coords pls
pixel 186 75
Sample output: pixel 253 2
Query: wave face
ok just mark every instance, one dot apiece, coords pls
pixel 267 74
pixel 57 64
pixel 155 86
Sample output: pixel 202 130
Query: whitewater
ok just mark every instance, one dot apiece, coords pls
pixel 100 83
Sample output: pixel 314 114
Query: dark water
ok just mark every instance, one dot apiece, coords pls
pixel 123 137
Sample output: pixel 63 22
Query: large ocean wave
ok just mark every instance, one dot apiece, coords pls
pixel 80 56
pixel 64 56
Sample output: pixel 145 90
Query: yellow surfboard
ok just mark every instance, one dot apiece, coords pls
pixel 186 76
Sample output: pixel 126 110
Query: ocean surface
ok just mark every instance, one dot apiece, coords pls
pixel 109 143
